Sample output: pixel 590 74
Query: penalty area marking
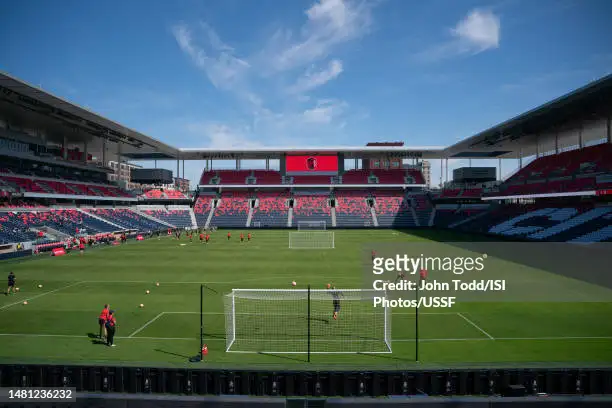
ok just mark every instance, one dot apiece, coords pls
pixel 476 326
pixel 145 325
pixel 40 295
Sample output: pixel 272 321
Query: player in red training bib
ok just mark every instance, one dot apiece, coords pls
pixel 229 235
pixel 373 255
pixel 207 238
pixel 249 236
pixel 241 237
pixel 201 238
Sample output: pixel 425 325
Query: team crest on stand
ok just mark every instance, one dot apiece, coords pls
pixel 311 163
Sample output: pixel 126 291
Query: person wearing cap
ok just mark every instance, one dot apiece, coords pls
pixel 111 328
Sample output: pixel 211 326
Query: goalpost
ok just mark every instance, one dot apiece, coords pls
pixel 312 225
pixel 300 321
pixel 311 240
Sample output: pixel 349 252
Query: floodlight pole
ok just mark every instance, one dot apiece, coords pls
pixel 308 320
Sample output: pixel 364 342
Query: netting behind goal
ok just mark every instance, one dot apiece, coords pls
pixel 278 320
pixel 311 240
pixel 312 226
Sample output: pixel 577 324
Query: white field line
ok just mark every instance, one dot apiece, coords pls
pixel 41 295
pixel 145 325
pixel 301 314
pixel 193 282
pixel 480 329
pixel 394 340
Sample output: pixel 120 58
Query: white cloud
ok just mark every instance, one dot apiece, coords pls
pixel 273 81
pixel 223 70
pixel 221 136
pixel 479 31
pixel 329 24
pixel 324 112
pixel 311 80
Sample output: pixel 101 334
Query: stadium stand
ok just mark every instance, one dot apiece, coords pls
pixel 164 194
pixel 127 219
pixel 356 177
pixel 271 210
pixel 310 207
pixel 352 209
pixel 232 210
pixel 202 207
pixel 178 218
pixel 23 183
pixel 311 179
pixel 267 177
pixel 571 171
pixel 393 210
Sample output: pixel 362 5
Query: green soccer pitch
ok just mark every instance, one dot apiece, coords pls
pixel 59 322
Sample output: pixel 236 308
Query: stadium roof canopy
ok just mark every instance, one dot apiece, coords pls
pixel 589 103
pixel 32 107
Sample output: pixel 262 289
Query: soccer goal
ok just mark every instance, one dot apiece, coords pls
pixel 312 226
pixel 300 321
pixel 311 240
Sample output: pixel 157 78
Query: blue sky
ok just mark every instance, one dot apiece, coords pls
pixel 245 73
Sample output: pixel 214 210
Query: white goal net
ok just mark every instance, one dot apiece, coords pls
pixel 312 225
pixel 286 321
pixel 311 240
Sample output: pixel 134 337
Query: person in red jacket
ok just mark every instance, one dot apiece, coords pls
pixel 249 236
pixel 207 238
pixel 102 321
pixel 241 237
pixel 229 235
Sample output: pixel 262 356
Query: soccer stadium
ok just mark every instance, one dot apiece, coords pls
pixel 235 275
pixel 369 274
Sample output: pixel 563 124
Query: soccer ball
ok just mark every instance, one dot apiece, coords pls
pixel 294 283
pixel 148 291
pixel 141 305
pixel 157 284
pixel 25 302
pixel 16 289
pixel 40 286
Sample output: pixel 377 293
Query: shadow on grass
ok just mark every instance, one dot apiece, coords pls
pixel 173 354
pixel 285 357
pixel 380 357
pixel 95 339
pixel 213 335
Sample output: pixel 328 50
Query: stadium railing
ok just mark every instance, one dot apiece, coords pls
pixel 196 381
